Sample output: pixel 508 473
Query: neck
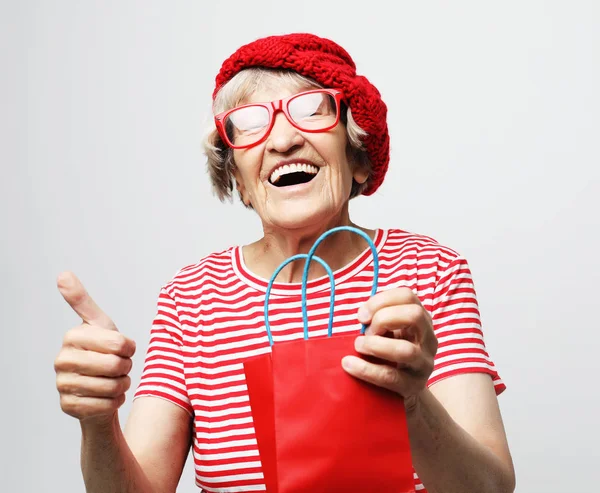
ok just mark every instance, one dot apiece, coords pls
pixel 277 245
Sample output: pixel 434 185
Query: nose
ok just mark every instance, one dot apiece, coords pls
pixel 284 136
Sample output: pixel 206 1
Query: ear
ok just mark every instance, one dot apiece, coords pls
pixel 355 158
pixel 241 188
pixel 360 175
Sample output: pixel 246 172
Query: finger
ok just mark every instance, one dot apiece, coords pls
pixel 81 302
pixel 398 351
pixel 88 407
pixel 407 321
pixel 100 340
pixel 84 386
pixel 399 296
pixel 92 364
pixel 381 375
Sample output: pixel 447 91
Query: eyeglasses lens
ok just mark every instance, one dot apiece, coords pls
pixel 309 111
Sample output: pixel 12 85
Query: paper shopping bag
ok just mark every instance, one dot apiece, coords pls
pixel 319 429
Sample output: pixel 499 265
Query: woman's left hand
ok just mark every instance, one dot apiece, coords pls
pixel 400 331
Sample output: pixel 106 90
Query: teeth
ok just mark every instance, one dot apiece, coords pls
pixel 286 169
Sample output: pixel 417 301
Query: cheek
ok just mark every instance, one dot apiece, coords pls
pixel 333 149
pixel 247 162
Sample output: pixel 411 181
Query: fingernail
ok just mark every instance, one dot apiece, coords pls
pixel 359 343
pixel 363 314
pixel 347 363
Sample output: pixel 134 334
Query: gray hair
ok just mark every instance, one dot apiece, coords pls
pixel 220 161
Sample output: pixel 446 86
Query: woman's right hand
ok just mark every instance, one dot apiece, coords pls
pixel 93 364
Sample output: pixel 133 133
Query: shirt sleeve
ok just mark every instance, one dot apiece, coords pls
pixel 457 325
pixel 163 374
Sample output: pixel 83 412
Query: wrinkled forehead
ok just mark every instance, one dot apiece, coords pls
pixel 266 95
pixel 263 85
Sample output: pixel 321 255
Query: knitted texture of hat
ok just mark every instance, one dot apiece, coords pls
pixel 330 65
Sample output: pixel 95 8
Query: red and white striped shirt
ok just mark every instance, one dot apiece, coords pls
pixel 210 319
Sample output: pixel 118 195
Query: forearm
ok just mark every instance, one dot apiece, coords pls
pixel 107 462
pixel 448 459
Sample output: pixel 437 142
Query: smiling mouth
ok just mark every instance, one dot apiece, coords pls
pixel 293 174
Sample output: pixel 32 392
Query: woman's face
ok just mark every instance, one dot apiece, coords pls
pixel 288 203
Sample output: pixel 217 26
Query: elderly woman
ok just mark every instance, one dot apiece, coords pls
pixel 298 133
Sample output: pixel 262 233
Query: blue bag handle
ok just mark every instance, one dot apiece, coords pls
pixel 309 258
pixel 270 286
pixel 311 255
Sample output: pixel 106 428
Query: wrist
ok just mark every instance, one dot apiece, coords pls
pixel 100 425
pixel 412 403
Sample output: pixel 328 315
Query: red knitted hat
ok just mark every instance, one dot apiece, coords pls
pixel 330 65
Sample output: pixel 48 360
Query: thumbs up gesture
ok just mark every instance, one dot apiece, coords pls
pixel 93 364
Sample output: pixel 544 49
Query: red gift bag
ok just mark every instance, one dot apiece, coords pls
pixel 319 429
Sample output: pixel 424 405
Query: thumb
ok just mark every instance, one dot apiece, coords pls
pixel 81 302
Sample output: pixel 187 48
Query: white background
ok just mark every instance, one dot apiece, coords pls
pixel 494 118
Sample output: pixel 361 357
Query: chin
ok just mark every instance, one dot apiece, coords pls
pixel 298 217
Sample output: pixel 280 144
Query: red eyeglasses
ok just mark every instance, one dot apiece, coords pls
pixel 250 124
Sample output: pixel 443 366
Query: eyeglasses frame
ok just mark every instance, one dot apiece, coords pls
pixel 273 107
